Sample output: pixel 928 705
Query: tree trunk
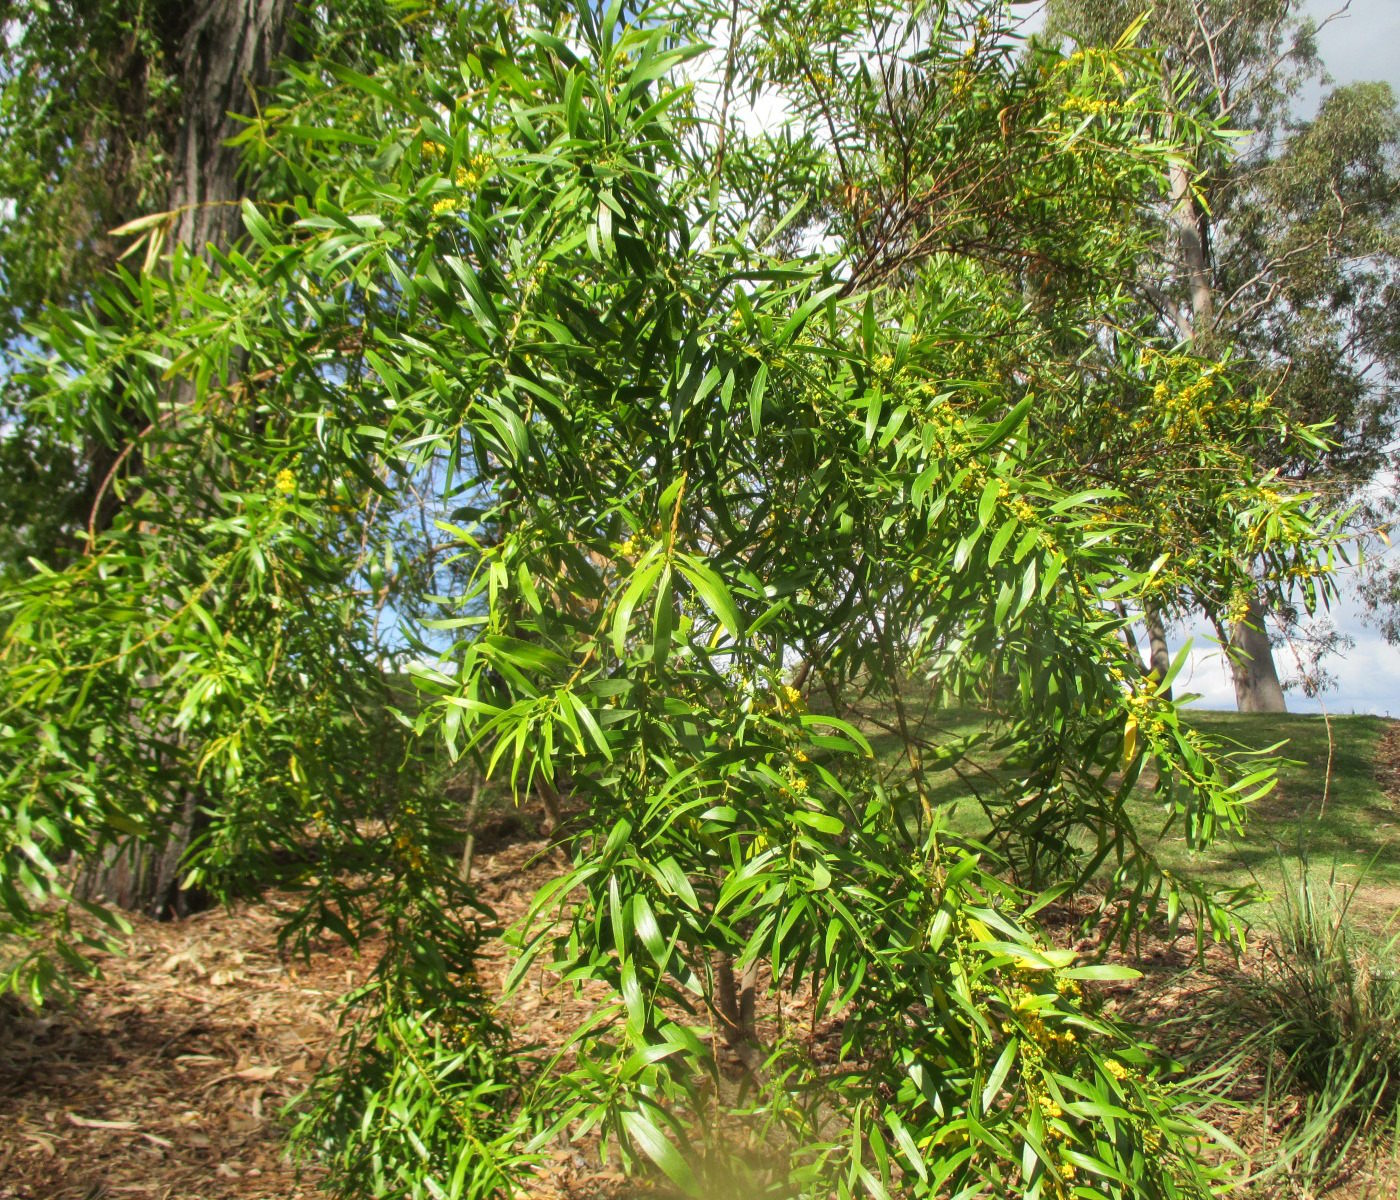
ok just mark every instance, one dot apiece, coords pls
pixel 464 871
pixel 227 50
pixel 1190 233
pixel 1159 657
pixel 141 875
pixel 1257 688
pixel 734 1003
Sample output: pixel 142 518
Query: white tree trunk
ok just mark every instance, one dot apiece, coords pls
pixel 1257 687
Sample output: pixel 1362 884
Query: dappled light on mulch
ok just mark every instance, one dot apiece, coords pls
pixel 168 1076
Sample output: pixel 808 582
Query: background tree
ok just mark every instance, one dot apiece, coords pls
pixel 120 125
pixel 1280 251
pixel 110 111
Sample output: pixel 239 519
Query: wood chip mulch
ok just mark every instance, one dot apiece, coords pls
pixel 167 1077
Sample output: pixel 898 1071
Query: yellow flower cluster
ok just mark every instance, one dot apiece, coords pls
pixel 467 178
pixel 1116 1069
pixel 408 849
pixel 1238 608
pixel 457 1035
pixel 787 698
pixel 286 481
pixel 1047 1105
pixel 1091 105
pixel 477 168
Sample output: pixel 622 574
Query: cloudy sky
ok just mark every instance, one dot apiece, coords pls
pixel 1363 42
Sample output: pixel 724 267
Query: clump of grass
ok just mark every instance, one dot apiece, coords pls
pixel 1327 1008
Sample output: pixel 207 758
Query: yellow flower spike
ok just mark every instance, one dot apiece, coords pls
pixel 1115 1068
pixel 286 481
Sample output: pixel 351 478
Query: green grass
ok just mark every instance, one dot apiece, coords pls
pixel 1328 810
pixel 1337 816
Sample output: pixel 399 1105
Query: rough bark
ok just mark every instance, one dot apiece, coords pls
pixel 734 1003
pixel 1257 687
pixel 227 52
pixel 145 876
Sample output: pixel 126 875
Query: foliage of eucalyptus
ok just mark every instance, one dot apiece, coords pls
pixel 1281 253
pixel 665 461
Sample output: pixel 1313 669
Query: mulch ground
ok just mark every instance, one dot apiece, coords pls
pixel 168 1076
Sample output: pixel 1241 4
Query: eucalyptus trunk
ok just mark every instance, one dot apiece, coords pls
pixel 227 52
pixel 1257 687
pixel 1159 655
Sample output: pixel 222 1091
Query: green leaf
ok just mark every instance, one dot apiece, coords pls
pixel 756 390
pixel 712 591
pixel 821 822
pixel 987 505
pixel 642 578
pixel 1005 426
pixel 643 1131
pixel 1101 972
pixel 998 1075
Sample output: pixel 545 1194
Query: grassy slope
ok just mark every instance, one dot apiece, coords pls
pixel 1342 819
pixel 1339 819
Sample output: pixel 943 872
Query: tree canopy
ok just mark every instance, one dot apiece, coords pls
pixel 1280 252
pixel 670 459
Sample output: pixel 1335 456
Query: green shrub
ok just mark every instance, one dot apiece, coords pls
pixel 1327 1005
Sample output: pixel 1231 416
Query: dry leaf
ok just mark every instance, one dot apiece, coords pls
pixel 94 1123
